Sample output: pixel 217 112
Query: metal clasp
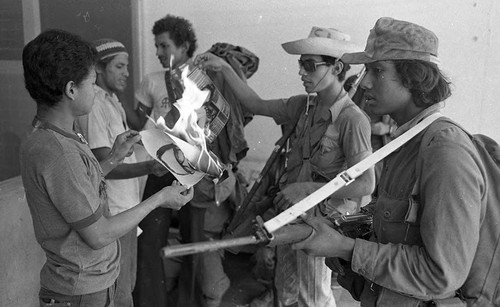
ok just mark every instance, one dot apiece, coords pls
pixel 261 232
pixel 346 177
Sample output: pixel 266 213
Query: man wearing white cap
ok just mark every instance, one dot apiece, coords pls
pixel 331 133
pixel 100 127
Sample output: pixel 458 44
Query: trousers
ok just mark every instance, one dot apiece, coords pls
pixel 104 298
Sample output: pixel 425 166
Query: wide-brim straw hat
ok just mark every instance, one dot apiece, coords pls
pixel 323 41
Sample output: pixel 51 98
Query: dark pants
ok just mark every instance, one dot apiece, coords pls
pixel 128 269
pixel 191 230
pixel 104 298
pixel 150 289
pixel 202 281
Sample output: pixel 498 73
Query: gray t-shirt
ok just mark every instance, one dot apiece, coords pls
pixel 65 192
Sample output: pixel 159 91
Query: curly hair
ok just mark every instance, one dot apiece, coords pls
pixel 332 61
pixel 51 60
pixel 424 80
pixel 179 29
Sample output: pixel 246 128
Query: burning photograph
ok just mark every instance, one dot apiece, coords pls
pixel 181 145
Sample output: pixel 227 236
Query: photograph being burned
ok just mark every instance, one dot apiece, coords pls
pixel 179 141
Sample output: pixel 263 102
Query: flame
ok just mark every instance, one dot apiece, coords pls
pixel 189 126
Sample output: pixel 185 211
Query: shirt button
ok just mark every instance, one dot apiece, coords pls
pixel 387 214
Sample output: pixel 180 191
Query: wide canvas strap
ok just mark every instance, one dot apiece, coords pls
pixel 386 150
pixel 346 177
pixel 168 84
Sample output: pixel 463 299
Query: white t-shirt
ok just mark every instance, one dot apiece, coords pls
pixel 153 94
pixel 104 123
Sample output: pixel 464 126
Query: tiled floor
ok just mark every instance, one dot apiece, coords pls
pixel 244 287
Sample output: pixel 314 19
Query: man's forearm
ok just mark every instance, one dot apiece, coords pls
pixel 109 229
pixel 123 222
pixel 249 98
pixel 108 164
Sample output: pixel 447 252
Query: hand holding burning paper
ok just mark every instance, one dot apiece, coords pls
pixel 182 147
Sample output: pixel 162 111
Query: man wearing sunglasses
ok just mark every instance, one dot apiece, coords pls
pixel 331 133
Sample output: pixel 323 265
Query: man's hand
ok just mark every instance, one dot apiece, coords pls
pixel 292 194
pixel 124 145
pixel 157 169
pixel 325 241
pixel 380 128
pixel 175 196
pixel 209 61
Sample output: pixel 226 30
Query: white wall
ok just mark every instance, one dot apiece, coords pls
pixel 469 34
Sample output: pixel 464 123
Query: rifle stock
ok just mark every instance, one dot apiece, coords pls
pixel 252 209
pixel 355 225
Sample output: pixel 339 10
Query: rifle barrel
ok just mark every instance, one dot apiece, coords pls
pixel 207 246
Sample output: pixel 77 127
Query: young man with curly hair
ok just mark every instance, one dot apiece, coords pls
pixel 64 182
pixel 175 42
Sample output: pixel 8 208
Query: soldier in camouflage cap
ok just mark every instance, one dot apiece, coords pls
pixel 426 248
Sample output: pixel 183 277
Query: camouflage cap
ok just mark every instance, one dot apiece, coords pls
pixel 393 39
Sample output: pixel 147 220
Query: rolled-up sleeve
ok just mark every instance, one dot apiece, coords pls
pixel 75 187
pixel 285 110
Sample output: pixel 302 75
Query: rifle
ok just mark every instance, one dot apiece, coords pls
pixel 241 223
pixel 355 225
pixel 354 87
pixel 265 231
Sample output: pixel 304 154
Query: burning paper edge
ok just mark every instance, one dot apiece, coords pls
pixel 154 139
pixel 187 132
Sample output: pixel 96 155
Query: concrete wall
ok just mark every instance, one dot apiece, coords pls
pixel 17 26
pixel 16 113
pixel 21 256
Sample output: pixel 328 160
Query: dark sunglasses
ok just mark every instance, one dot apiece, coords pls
pixel 310 66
